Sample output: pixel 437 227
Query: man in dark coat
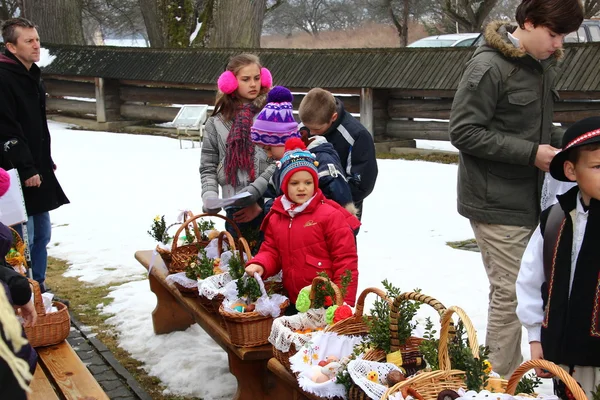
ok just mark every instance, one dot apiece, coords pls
pixel 24 135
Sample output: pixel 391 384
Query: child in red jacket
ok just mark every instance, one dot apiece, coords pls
pixel 306 233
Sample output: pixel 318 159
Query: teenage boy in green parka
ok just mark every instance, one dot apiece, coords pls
pixel 501 122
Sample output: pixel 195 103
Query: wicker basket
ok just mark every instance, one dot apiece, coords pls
pixel 284 356
pixel 180 255
pixel 19 246
pixel 213 305
pixel 50 328
pixel 568 380
pixel 409 350
pixel 430 384
pixel 248 329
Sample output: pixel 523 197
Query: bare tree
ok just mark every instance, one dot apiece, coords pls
pixel 238 23
pixel 315 16
pixel 169 23
pixel 591 8
pixel 59 21
pixel 469 14
pixel 8 9
pixel 112 18
pixel 232 23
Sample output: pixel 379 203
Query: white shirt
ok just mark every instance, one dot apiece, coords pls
pixel 531 275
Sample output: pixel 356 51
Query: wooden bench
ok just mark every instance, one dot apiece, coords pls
pixel 175 312
pixel 61 374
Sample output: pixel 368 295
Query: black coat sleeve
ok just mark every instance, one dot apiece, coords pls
pixel 20 291
pixel 363 173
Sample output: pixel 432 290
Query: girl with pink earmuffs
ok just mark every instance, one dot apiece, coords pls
pixel 229 158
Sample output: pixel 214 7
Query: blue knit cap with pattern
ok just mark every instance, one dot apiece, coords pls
pixel 297 158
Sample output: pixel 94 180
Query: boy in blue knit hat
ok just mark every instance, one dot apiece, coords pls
pixel 306 233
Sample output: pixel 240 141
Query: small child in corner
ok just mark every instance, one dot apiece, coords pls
pixel 274 126
pixel 322 114
pixel 305 233
pixel 558 286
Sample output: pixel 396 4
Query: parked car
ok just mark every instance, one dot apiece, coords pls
pixel 450 40
pixel 589 31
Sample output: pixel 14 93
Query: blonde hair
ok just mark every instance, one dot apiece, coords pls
pixel 317 107
pixel 227 103
pixel 12 332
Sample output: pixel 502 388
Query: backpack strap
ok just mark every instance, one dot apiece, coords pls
pixel 551 233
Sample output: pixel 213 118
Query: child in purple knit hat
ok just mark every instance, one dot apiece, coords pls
pixel 274 126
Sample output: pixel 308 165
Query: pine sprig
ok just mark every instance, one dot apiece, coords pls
pixel 595 394
pixel 461 357
pixel 529 383
pixel 200 266
pixel 429 347
pixel 323 290
pixel 379 322
pixel 158 230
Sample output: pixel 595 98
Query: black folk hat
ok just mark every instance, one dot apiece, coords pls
pixel 582 132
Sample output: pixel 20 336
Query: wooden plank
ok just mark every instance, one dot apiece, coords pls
pixel 159 95
pixel 41 389
pixel 150 113
pixel 69 374
pixel 285 385
pixel 417 130
pixel 72 106
pixel 55 87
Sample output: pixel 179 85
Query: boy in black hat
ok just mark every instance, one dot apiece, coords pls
pixel 563 260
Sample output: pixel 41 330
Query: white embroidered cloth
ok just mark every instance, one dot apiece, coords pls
pixel 283 330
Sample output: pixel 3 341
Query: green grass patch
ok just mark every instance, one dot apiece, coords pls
pixel 84 299
pixel 441 158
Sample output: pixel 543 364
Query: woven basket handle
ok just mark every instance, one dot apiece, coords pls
pixel 244 247
pixel 548 366
pixel 192 220
pixel 37 297
pixel 395 313
pixel 339 300
pixel 360 302
pixel 355 324
pixel 443 356
pixel 230 240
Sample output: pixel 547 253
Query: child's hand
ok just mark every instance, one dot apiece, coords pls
pixel 538 354
pixel 252 268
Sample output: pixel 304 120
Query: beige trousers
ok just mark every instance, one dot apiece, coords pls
pixel 502 247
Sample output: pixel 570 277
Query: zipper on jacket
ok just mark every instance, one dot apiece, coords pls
pixel 291 219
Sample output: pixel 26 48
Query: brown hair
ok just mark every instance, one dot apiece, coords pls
pixel 575 152
pixel 9 26
pixel 227 103
pixel 317 107
pixel 560 16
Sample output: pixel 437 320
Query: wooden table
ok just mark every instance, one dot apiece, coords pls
pixel 285 385
pixel 175 312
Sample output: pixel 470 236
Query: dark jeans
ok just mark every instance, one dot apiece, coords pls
pixel 250 230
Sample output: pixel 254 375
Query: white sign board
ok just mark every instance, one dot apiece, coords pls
pixel 191 116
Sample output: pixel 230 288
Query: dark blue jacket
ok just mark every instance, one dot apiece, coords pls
pixel 332 181
pixel 356 149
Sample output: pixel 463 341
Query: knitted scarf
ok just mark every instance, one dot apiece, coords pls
pixel 240 149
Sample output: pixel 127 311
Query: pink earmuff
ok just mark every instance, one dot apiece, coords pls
pixel 266 79
pixel 227 82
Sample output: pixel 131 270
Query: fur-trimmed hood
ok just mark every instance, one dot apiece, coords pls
pixel 496 36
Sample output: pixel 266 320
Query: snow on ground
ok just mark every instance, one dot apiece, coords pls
pixel 118 183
